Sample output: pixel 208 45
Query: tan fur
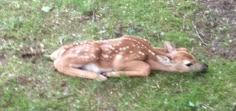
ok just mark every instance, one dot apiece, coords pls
pixel 128 55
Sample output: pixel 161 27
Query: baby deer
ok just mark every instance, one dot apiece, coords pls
pixel 127 55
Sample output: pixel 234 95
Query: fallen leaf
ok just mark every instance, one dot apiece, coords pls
pixel 191 104
pixel 46 9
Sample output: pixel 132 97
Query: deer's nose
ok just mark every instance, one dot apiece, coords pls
pixel 204 68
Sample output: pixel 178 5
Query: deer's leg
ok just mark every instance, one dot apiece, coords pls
pixel 131 68
pixel 67 66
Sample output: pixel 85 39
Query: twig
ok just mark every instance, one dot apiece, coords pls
pixel 198 34
pixel 94 14
pixel 66 96
pixel 207 106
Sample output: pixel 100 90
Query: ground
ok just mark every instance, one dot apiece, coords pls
pixel 31 30
pixel 216 22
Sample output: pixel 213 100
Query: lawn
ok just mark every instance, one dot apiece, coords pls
pixel 31 29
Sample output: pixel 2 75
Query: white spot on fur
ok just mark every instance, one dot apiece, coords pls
pixel 105 56
pixel 151 52
pixel 123 48
pixel 141 53
pixel 119 56
pixel 116 44
pixel 112 48
pixel 77 51
pixel 86 49
pixel 93 56
pixel 87 57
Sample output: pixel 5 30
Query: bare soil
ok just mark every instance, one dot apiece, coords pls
pixel 3 60
pixel 216 24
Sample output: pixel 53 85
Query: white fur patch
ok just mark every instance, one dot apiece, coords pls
pixel 95 68
pixel 119 56
pixel 186 62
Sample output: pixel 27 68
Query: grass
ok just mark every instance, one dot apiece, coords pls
pixel 30 83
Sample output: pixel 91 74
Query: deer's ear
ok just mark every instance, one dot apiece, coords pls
pixel 182 49
pixel 170 48
pixel 164 60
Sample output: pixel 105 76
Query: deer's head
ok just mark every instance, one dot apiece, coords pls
pixel 180 60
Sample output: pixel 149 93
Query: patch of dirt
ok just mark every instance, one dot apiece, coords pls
pixel 121 29
pixel 32 52
pixel 23 80
pixel 7 37
pixel 3 60
pixel 216 24
pixel 2 57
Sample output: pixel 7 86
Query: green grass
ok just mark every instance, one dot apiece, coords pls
pixel 32 84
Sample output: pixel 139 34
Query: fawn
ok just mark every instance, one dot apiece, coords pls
pixel 127 55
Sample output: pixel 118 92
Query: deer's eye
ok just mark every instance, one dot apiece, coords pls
pixel 189 64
